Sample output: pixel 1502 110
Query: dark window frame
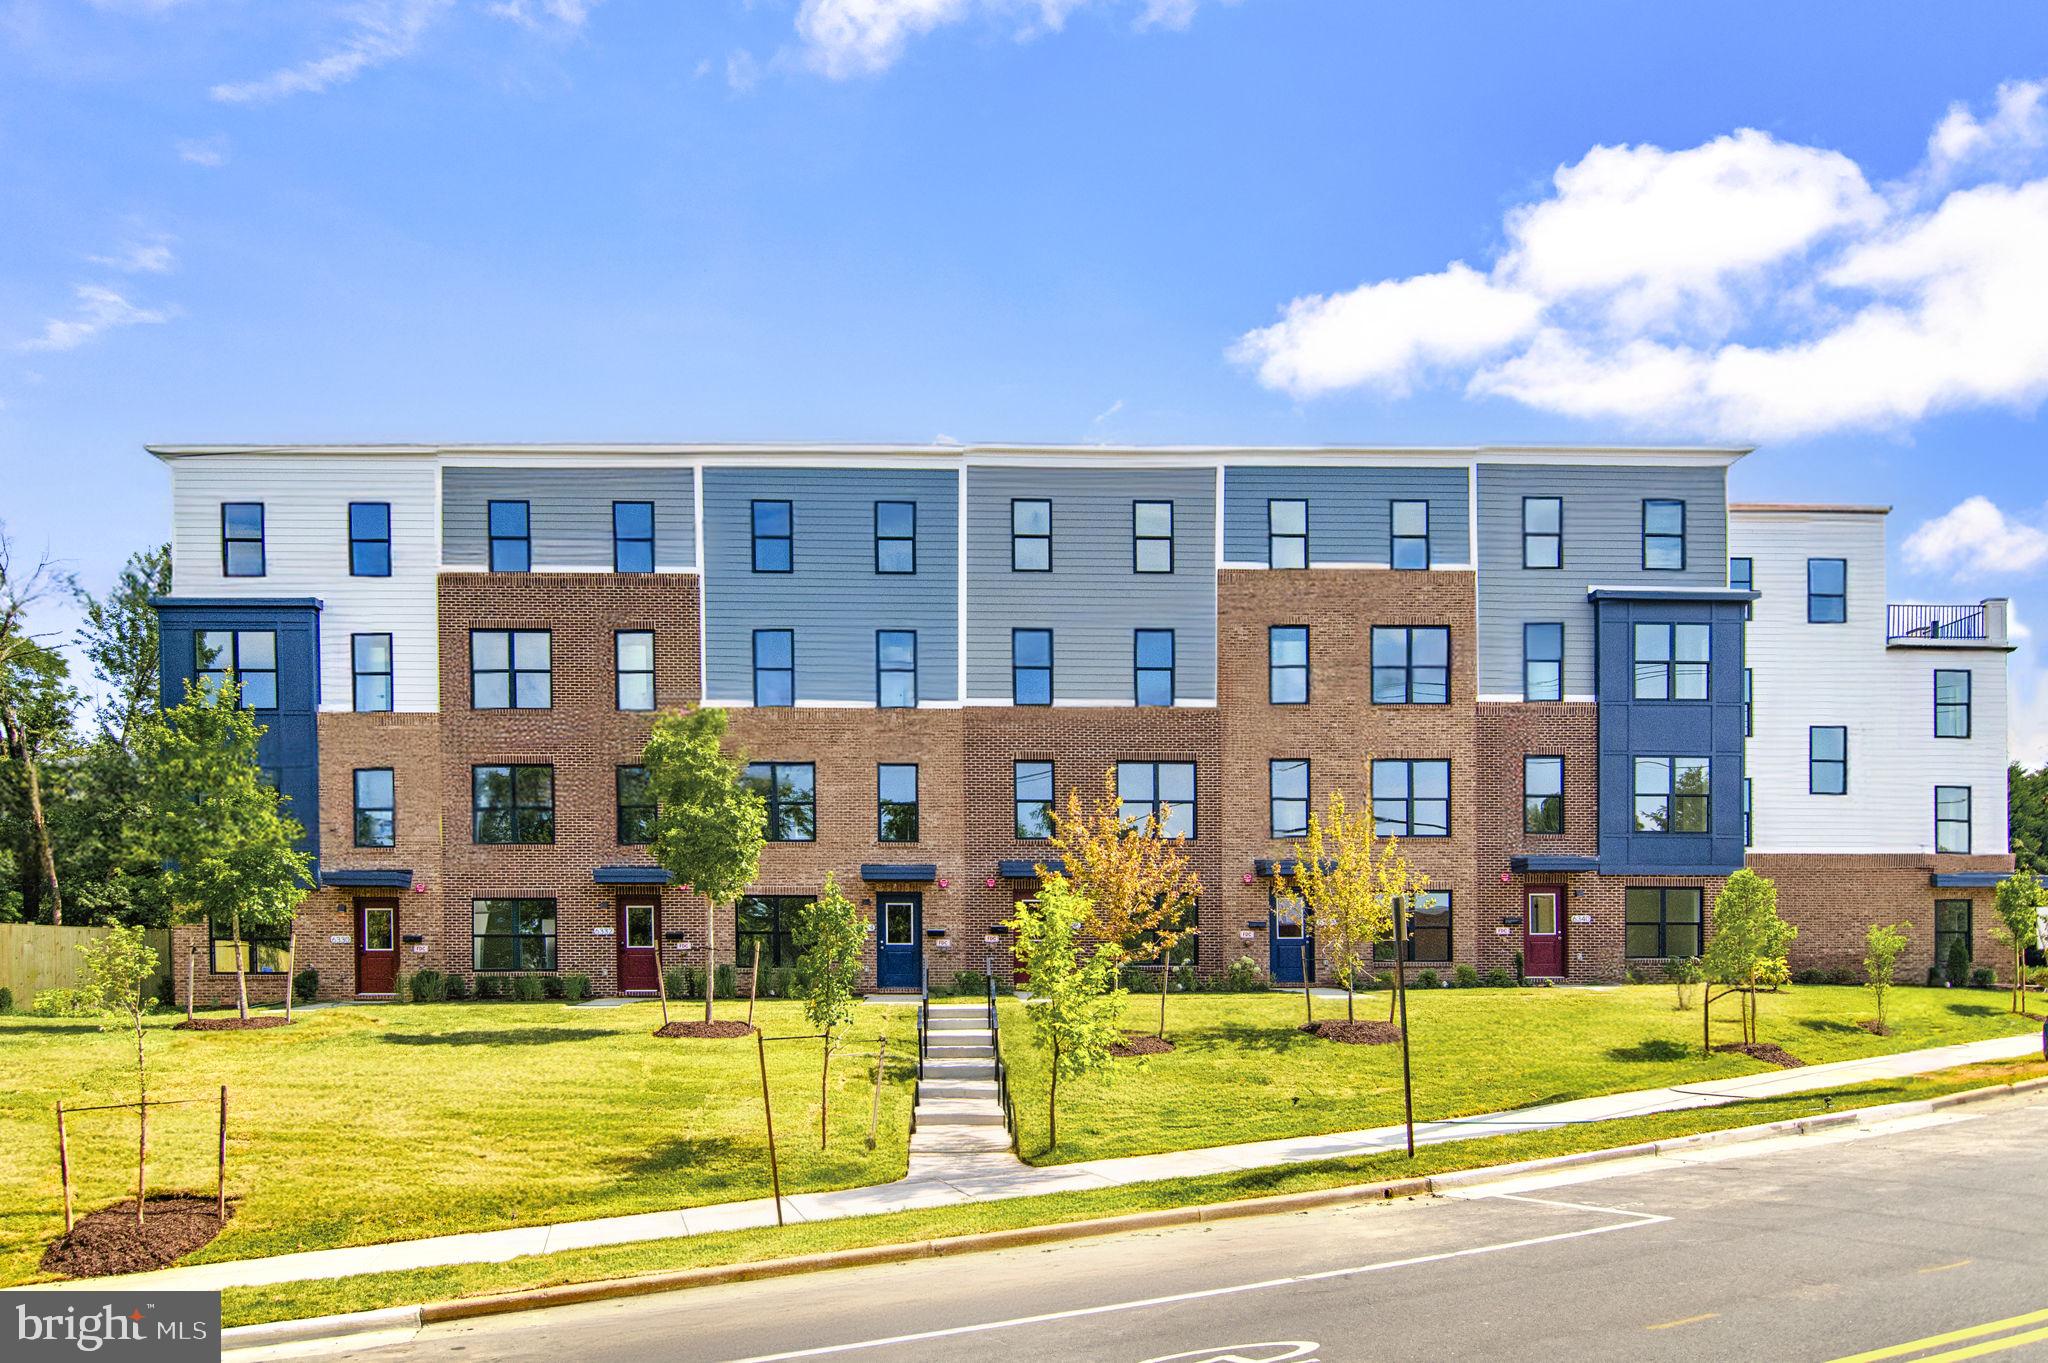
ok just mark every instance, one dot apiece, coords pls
pixel 884 806
pixel 514 806
pixel 1138 541
pixel 1274 799
pixel 1528 798
pixel 1814 764
pixel 1814 598
pixel 754 656
pixel 1408 667
pixel 1159 803
pixel 1275 669
pixel 628 814
pixel 1396 541
pixel 1748 812
pixel 358 809
pixel 756 540
pixel 1018 537
pixel 1529 695
pixel 1965 707
pixel 493 539
pixel 357 673
pixel 1682 535
pixel 1139 670
pixel 1748 582
pixel 268 949
pixel 883 670
pixel 546 937
pixel 229 541
pixel 356 541
pixel 1016 667
pixel 1966 821
pixel 1408 822
pixel 894 539
pixel 775 804
pixel 1273 536
pixel 1674 799
pixel 1671 667
pixel 778 939
pixel 1968 932
pixel 512 671
pixel 1019 801
pixel 1556 536
pixel 620 541
pixel 1442 903
pixel 235 669
pixel 1664 921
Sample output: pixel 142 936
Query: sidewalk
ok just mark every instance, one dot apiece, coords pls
pixel 989 1177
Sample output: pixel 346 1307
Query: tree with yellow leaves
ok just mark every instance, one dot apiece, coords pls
pixel 1351 883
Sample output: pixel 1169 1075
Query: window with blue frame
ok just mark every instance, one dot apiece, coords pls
pixel 369 539
pixel 1152 537
pixel 1672 794
pixel 1952 819
pixel 1748 813
pixel 774 667
pixel 790 792
pixel 1411 665
pixel 511 535
pixel 1287 664
pixel 376 807
pixel 1543 795
pixel 896 669
pixel 1663 534
pixel 1410 798
pixel 1287 533
pixel 633 669
pixel 774 525
pixel 896 537
pixel 1031 666
pixel 637 813
pixel 1158 790
pixel 1951 702
pixel 511 669
pixel 1827 591
pixel 1671 661
pixel 1827 759
pixel 246 656
pixel 1152 656
pixel 1428 929
pixel 1742 578
pixel 1543 532
pixel 1033 793
pixel 1287 791
pixel 241 539
pixel 1030 535
pixel 1410 525
pixel 1749 702
pixel 1543 661
pixel 896 802
pixel 370 664
pixel 632 537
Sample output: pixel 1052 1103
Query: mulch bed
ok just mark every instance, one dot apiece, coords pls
pixel 1355 1033
pixel 1875 1028
pixel 1763 1050
pixel 705 1030
pixel 109 1241
pixel 228 1024
pixel 1141 1043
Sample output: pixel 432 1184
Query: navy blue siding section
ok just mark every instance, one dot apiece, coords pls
pixel 833 599
pixel 1349 520
pixel 1631 728
pixel 291 744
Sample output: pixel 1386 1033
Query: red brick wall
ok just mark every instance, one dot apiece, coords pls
pixel 1833 900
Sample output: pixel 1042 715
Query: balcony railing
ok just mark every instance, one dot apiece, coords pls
pixel 1935 622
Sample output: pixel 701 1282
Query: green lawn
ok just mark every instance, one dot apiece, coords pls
pixel 1241 1071
pixel 359 1125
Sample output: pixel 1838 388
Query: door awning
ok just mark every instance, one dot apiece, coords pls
pixel 1556 862
pixel 1026 870
pixel 383 878
pixel 630 875
pixel 909 872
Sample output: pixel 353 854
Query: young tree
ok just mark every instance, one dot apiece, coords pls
pixel 829 935
pixel 2019 904
pixel 116 969
pixel 709 827
pixel 1882 946
pixel 1746 950
pixel 1133 876
pixel 22 589
pixel 1350 884
pixel 1076 1007
pixel 228 849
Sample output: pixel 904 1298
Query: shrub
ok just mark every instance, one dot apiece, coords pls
pixel 1184 977
pixel 1428 979
pixel 683 982
pixel 1244 976
pixel 528 988
pixel 575 987
pixel 970 982
pixel 552 986
pixel 778 983
pixel 6 999
pixel 425 986
pixel 1519 976
pixel 1498 978
pixel 1981 977
pixel 458 989
pixel 728 981
pixel 1957 967
pixel 61 1003
pixel 1465 976
pixel 1933 976
pixel 306 985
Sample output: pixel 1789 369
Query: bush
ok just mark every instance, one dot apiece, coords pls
pixel 60 1003
pixel 1428 979
pixel 1933 976
pixel 306 985
pixel 458 989
pixel 1498 978
pixel 551 985
pixel 491 987
pixel 1184 977
pixel 6 999
pixel 425 986
pixel 529 988
pixel 1982 977
pixel 970 983
pixel 728 981
pixel 1519 976
pixel 683 982
pixel 1957 967
pixel 1465 976
pixel 1243 976
pixel 575 987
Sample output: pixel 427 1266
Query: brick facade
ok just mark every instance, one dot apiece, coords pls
pixel 1833 899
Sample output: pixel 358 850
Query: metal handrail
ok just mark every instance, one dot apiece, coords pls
pixel 924 1014
pixel 995 1044
pixel 1935 622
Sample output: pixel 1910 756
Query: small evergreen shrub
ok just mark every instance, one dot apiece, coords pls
pixel 528 988
pixel 458 989
pixel 1981 977
pixel 728 981
pixel 1428 979
pixel 552 986
pixel 575 988
pixel 1497 978
pixel 306 985
pixel 970 983
pixel 6 999
pixel 1465 976
pixel 684 982
pixel 1519 976
pixel 426 986
pixel 1957 967
pixel 1243 976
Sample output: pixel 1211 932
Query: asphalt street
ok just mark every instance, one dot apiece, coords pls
pixel 1821 1247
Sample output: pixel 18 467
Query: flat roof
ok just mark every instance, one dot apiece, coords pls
pixel 961 449
pixel 1822 508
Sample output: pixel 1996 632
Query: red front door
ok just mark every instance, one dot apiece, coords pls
pixel 639 959
pixel 1543 931
pixel 376 946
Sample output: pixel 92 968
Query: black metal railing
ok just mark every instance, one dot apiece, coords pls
pixel 1935 622
pixel 995 1046
pixel 924 1016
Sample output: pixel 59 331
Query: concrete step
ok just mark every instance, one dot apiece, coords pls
pixel 959 1140
pixel 981 1090
pixel 976 1021
pixel 978 1007
pixel 959 1036
pixel 957 1112
pixel 973 1051
pixel 949 1067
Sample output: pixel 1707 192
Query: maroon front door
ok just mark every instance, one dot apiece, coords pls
pixel 1543 931
pixel 638 958
pixel 376 946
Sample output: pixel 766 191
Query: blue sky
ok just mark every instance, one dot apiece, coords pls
pixel 1127 220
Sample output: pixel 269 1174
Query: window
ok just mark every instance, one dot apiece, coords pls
pixel 1152 655
pixel 1411 666
pixel 632 537
pixel 1952 925
pixel 1162 790
pixel 774 537
pixel 1031 666
pixel 1287 664
pixel 634 794
pixel 511 535
pixel 1672 794
pixel 376 808
pixel 1662 922
pixel 1749 702
pixel 369 539
pixel 265 950
pixel 1428 929
pixel 1287 534
pixel 895 537
pixel 1663 535
pixel 1827 759
pixel 1030 536
pixel 241 539
pixel 1951 703
pixel 633 658
pixel 769 922
pixel 1287 782
pixel 790 790
pixel 1152 537
pixel 896 802
pixel 1952 818
pixel 513 934
pixel 1543 532
pixel 1543 795
pixel 1742 578
pixel 1671 661
pixel 1827 591
pixel 1410 546
pixel 249 656
pixel 1034 800
pixel 1543 661
pixel 370 665
pixel 1411 799
pixel 1748 814
pixel 512 804
pixel 511 669
pixel 896 669
pixel 774 667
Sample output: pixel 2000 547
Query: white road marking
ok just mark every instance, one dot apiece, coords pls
pixel 1638 1219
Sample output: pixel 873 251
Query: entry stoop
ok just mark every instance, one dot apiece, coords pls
pixel 958 1112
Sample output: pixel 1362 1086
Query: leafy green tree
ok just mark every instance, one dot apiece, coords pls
pixel 30 674
pixel 829 935
pixel 1076 1007
pixel 1882 946
pixel 120 638
pixel 709 827
pixel 37 753
pixel 117 968
pixel 207 816
pixel 2019 904
pixel 2027 800
pixel 1351 885
pixel 1746 950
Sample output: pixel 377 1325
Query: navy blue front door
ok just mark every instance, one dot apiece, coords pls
pixel 1292 942
pixel 899 940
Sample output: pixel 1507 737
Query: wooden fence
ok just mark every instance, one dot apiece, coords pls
pixel 35 957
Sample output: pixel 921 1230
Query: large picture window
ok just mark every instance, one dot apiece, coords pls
pixel 513 934
pixel 249 656
pixel 767 921
pixel 1671 661
pixel 1165 790
pixel 1411 665
pixel 791 792
pixel 512 804
pixel 511 669
pixel 1411 799
pixel 1034 800
pixel 1672 794
pixel 264 950
pixel 1662 922
pixel 1428 930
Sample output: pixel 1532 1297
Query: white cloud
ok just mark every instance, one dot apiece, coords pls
pixel 2016 130
pixel 1745 288
pixel 211 152
pixel 844 38
pixel 100 309
pixel 1975 538
pixel 380 31
pixel 154 256
pixel 540 14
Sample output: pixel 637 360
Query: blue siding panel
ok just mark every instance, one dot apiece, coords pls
pixel 1349 516
pixel 570 510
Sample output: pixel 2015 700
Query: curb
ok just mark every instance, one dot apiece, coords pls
pixel 429 1313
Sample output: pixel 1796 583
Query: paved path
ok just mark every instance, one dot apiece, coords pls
pixel 993 1176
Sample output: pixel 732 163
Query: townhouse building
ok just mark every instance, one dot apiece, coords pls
pixel 1539 662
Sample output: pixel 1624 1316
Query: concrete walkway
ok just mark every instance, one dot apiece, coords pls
pixel 994 1176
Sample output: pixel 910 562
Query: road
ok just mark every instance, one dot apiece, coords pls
pixel 1821 1247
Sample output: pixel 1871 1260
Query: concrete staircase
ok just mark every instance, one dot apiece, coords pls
pixel 958 1112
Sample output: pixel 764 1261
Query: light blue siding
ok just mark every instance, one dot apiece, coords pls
pixel 1349 516
pixel 570 513
pixel 833 599
pixel 1093 599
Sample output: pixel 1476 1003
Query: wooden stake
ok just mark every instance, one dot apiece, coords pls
pixel 191 955
pixel 1308 1006
pixel 754 985
pixel 220 1186
pixel 1401 997
pixel 661 977
pixel 768 1115
pixel 291 968
pixel 64 1164
pixel 882 1049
